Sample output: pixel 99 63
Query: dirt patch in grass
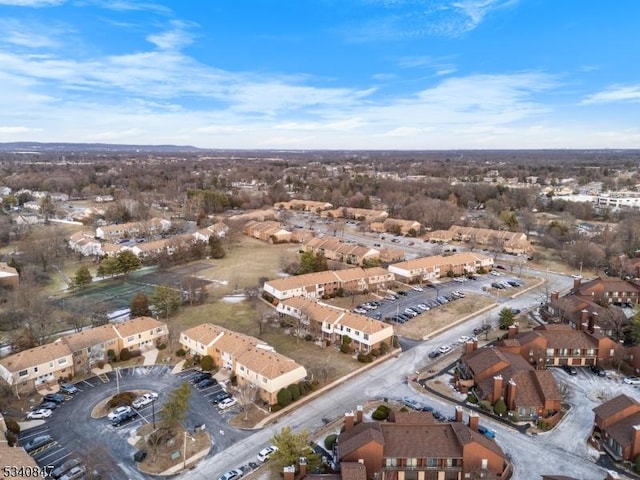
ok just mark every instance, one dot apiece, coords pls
pixel 249 419
pixel 169 453
pixel 436 319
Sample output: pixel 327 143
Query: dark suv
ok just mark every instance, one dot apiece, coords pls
pixel 571 370
pixel 598 370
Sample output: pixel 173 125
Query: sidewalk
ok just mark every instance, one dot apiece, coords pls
pixel 150 356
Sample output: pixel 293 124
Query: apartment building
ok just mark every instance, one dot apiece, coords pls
pixel 510 242
pixel 336 249
pixel 268 231
pixel 328 283
pixel 304 205
pixel 437 266
pixel 360 214
pixel 77 353
pixel 218 230
pixel 332 324
pixel 132 229
pixel 617 426
pixel 397 226
pixel 250 359
pixel 412 445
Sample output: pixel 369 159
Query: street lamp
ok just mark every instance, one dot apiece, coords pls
pixel 184 449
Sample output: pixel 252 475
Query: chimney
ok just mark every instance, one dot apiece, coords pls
pixel 497 388
pixel 359 414
pixel 289 472
pixel 576 283
pixel 593 322
pixel 554 296
pixel 470 346
pixel 511 395
pixel 474 421
pixel 348 421
pixel 635 444
pixel 584 318
pixel 302 463
pixel 459 414
pixel 513 330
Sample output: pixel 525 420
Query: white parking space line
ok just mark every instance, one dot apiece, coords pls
pixel 49 453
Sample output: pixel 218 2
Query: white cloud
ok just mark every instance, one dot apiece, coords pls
pixel 173 39
pixel 12 130
pixel 616 93
pixel 32 3
pixel 30 34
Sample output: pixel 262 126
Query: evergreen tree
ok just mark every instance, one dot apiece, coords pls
pixel 140 306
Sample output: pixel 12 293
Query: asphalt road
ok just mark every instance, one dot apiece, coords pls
pixel 105 446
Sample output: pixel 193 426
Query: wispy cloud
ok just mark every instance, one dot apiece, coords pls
pixel 29 34
pixel 173 39
pixel 32 3
pixel 406 19
pixel 615 93
pixel 129 6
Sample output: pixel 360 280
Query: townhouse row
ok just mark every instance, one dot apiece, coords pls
pixel 77 353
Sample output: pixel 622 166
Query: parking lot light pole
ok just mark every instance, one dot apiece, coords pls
pixel 153 414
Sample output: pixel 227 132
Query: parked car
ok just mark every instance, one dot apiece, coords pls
pixel 515 311
pixel 417 289
pixel 227 403
pixel 265 453
pixel 598 370
pixel 53 397
pixel 65 467
pixel 206 383
pixel 124 418
pixel 47 405
pixel 411 403
pixel 444 349
pixel 434 354
pixel 69 388
pixel 218 397
pixel 145 400
pixel 482 328
pixel 464 339
pixel 119 411
pixel 494 273
pixel 570 369
pixel 74 474
pixel 139 456
pixel 377 316
pixel 234 474
pixel 37 442
pixel 632 380
pixel 39 414
pixel 486 432
pixel 200 377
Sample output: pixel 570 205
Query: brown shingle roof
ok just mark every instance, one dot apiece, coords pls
pixel 267 363
pixel 137 325
pixel 360 435
pixel 623 431
pixel 417 441
pixel 352 471
pixel 614 406
pixel 204 333
pixel 90 337
pixel 35 356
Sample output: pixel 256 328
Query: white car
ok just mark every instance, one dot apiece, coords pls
pixel 231 474
pixel 227 403
pixel 265 453
pixel 632 380
pixel 494 273
pixel 464 339
pixel 417 289
pixel 39 413
pixel 145 400
pixel 119 411
pixel 444 349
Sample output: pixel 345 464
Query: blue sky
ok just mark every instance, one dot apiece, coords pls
pixel 322 74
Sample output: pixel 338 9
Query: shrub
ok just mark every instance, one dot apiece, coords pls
pixel 515 418
pixel 308 337
pixel 384 348
pixel 233 379
pixel 315 385
pixel 284 397
pixel 276 408
pixel 188 363
pixel 206 363
pixel 305 387
pixel 294 389
pixel 345 348
pixel 135 353
pixel 111 356
pixel 12 439
pixel 12 426
pixel 485 405
pixel 381 413
pixel 100 364
pixel 161 346
pixel 196 359
pixel 471 398
pixel 404 409
pixel 125 355
pixel 500 408
pixel 376 352
pixel 121 399
pixel 636 464
pixel 330 441
pixel 365 357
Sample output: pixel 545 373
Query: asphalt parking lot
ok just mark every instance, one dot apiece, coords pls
pixel 105 448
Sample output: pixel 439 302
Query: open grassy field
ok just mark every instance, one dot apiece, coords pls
pixel 247 261
pixel 441 317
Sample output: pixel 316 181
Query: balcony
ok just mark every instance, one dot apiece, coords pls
pixel 438 468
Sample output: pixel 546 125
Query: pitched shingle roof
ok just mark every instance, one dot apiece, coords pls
pixel 90 337
pixel 359 435
pixel 614 406
pixel 137 325
pixel 35 356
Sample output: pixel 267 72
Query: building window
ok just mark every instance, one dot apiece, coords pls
pixel 549 352
pixel 432 462
pixel 366 336
pixel 130 339
pixel 23 373
pixel 412 462
pixel 591 351
pixel 35 369
pixel 391 462
pixel 159 330
pixel 348 330
pixel 62 361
